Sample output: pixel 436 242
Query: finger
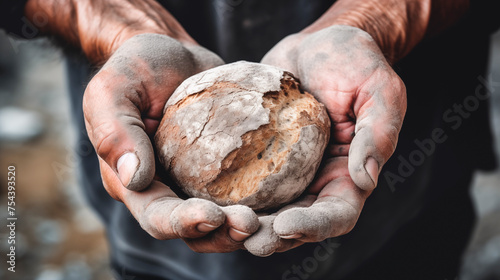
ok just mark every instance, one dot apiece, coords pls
pixel 305 201
pixel 171 217
pixel 165 216
pixel 117 132
pixel 328 218
pixel 240 223
pixel 265 241
pixel 288 244
pixel 125 101
pixel 380 117
pixel 195 217
pixel 217 241
pixel 161 213
pixel 334 213
pixel 241 220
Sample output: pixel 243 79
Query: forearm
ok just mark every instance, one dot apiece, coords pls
pixel 396 25
pixel 100 27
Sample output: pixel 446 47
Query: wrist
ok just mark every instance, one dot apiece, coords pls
pixel 101 36
pixel 396 26
pixel 99 28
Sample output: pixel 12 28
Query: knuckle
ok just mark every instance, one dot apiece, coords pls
pixel 103 130
pixel 105 137
pixel 152 223
pixel 398 93
pixel 388 139
pixel 94 87
pixel 399 84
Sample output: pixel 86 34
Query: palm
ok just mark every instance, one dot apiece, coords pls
pixel 346 71
pixel 123 105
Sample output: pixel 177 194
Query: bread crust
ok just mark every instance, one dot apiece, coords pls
pixel 243 133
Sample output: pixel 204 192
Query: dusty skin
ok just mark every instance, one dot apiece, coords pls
pixel 342 67
pixel 123 106
pixel 366 103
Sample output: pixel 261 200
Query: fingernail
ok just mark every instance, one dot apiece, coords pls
pixel 237 235
pixel 204 227
pixel 371 167
pixel 292 236
pixel 127 166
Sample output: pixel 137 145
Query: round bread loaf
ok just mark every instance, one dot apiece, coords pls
pixel 243 133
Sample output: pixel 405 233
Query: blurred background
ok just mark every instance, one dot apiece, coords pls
pixel 57 234
pixel 58 237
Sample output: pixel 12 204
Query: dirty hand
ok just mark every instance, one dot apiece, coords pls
pixel 123 105
pixel 343 68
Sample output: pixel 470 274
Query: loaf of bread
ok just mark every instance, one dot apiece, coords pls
pixel 243 133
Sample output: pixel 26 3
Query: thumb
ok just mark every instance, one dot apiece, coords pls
pixel 371 147
pixel 117 132
pixel 379 121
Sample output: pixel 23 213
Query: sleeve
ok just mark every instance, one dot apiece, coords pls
pixel 13 21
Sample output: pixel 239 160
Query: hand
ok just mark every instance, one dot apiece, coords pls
pixel 343 68
pixel 123 105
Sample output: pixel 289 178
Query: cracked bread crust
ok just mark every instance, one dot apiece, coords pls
pixel 243 133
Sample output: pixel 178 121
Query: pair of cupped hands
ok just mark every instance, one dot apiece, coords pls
pixel 341 66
